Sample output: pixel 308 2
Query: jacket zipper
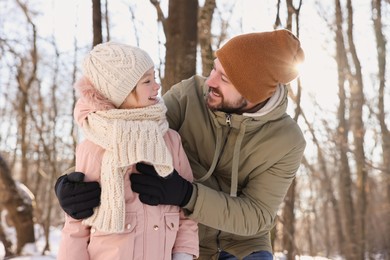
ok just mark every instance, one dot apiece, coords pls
pixel 219 242
pixel 228 118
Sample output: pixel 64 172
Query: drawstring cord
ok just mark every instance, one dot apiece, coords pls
pixel 217 152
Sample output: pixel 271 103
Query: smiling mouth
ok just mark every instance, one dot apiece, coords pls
pixel 214 92
pixel 153 98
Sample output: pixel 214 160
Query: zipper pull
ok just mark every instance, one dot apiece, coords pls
pixel 228 119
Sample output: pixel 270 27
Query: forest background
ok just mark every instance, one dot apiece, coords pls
pixel 339 204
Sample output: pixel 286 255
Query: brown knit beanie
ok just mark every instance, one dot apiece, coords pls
pixel 256 63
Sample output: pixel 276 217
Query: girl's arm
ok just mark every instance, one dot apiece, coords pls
pixel 187 240
pixel 75 236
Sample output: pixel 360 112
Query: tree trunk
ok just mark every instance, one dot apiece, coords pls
pixel 385 133
pixel 345 183
pixel 107 21
pixel 22 125
pixel 97 22
pixel 3 239
pixel 358 131
pixel 326 182
pixel 25 82
pixel 204 35
pixel 20 212
pixel 288 210
pixel 288 223
pixel 180 30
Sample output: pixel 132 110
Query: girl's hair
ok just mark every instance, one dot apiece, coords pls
pixel 92 96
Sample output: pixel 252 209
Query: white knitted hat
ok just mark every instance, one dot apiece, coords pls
pixel 115 69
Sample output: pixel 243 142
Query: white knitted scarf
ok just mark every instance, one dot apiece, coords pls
pixel 128 136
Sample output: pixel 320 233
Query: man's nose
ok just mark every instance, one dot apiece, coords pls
pixel 211 79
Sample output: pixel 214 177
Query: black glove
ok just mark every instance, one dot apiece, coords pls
pixel 154 189
pixel 77 198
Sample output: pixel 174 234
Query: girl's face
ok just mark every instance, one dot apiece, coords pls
pixel 144 94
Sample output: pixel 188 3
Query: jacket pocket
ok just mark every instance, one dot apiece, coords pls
pixel 105 245
pixel 171 228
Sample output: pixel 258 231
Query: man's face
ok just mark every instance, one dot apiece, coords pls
pixel 222 95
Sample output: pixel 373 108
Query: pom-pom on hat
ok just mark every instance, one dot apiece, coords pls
pixel 256 63
pixel 114 69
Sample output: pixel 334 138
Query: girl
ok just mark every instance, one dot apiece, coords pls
pixel 123 120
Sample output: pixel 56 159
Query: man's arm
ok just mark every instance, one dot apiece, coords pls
pixel 76 197
pixel 253 211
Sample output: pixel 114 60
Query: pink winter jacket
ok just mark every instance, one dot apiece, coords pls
pixel 151 232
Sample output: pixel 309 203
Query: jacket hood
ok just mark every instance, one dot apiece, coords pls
pixel 91 100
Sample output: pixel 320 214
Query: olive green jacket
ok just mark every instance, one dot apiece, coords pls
pixel 243 166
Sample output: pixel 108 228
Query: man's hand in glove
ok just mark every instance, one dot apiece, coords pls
pixel 76 197
pixel 154 190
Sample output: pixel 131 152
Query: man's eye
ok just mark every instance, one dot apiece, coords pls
pixel 225 80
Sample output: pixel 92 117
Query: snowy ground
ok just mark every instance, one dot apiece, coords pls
pixel 35 252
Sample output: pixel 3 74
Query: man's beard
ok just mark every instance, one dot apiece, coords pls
pixel 236 107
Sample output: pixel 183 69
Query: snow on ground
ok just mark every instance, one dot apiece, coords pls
pixel 34 252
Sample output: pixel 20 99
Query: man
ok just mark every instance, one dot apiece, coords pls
pixel 243 148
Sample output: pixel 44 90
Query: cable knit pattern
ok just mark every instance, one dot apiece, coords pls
pixel 114 69
pixel 128 136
